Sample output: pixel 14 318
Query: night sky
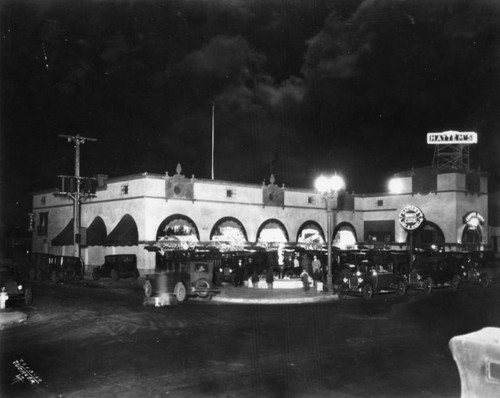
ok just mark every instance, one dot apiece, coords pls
pixel 300 88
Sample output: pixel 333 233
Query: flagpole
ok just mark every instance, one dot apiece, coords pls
pixel 213 132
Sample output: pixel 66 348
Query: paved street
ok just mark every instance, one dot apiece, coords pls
pixel 89 342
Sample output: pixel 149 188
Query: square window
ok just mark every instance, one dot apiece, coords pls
pixel 229 193
pixel 310 200
pixel 43 200
pixel 124 189
pixel 380 202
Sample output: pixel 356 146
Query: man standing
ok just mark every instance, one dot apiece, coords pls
pixel 316 266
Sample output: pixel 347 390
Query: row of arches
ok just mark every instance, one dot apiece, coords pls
pixel 227 228
pixel 271 230
pixel 126 233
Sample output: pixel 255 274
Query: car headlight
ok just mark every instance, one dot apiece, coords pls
pixel 360 280
pixel 19 287
pixel 358 273
pixel 374 273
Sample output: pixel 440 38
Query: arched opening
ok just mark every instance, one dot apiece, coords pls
pixel 229 229
pixel 310 232
pixel 427 236
pixel 472 235
pixel 272 232
pixel 179 226
pixel 344 236
pixel 472 238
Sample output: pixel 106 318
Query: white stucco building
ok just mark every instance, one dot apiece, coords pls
pixel 129 212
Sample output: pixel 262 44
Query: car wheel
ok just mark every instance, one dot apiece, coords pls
pixel 342 292
pixel 455 283
pixel 203 284
pixel 428 284
pixel 484 280
pixel 148 288
pixel 401 290
pixel 53 277
pixel 95 275
pixel 114 275
pixel 28 296
pixel 69 274
pixel 368 291
pixel 180 292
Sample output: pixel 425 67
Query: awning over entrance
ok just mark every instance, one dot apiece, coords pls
pixel 65 237
pixel 124 234
pixel 96 233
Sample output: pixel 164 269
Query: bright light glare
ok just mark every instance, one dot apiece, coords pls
pixel 395 185
pixel 327 184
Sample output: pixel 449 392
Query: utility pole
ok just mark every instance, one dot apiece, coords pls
pixel 213 138
pixel 75 191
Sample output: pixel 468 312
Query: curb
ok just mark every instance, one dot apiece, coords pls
pixel 9 318
pixel 301 300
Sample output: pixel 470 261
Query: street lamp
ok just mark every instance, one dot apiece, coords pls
pixel 329 187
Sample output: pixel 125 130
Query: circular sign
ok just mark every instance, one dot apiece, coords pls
pixel 411 217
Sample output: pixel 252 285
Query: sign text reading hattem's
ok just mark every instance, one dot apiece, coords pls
pixel 452 137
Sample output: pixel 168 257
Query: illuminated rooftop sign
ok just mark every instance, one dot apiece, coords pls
pixel 452 137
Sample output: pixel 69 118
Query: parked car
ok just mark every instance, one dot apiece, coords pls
pixel 481 267
pixel 43 266
pixel 56 268
pixel 397 261
pixel 12 285
pixel 440 270
pixel 70 268
pixel 367 279
pixel 183 274
pixel 117 266
pixel 347 260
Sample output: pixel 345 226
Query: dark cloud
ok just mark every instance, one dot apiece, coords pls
pixel 300 87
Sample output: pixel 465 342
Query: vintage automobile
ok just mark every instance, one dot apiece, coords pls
pixel 479 267
pixel 43 266
pixel 486 267
pixel 117 266
pixel 56 268
pixel 436 271
pixel 397 261
pixel 347 260
pixel 183 274
pixel 10 284
pixel 70 268
pixel 367 279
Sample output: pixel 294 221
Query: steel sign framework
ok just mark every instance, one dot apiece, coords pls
pixel 451 149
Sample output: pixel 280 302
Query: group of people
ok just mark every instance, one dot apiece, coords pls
pixel 317 273
pixel 273 265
